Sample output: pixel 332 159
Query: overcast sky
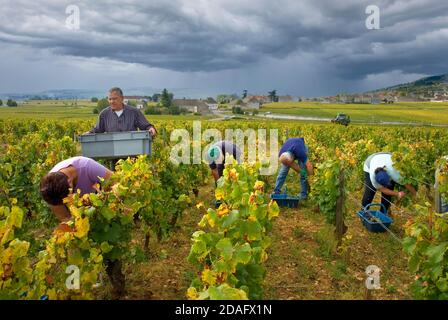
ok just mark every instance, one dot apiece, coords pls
pixel 299 47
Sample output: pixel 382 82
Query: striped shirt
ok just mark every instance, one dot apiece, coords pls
pixel 130 120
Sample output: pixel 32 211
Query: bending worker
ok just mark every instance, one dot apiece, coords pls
pixel 76 173
pixel 380 175
pixel 83 174
pixel 294 149
pixel 216 156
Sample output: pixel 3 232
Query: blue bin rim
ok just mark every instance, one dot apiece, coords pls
pixel 282 196
pixel 385 219
pixel 113 132
pixel 289 203
pixel 374 205
pixel 121 135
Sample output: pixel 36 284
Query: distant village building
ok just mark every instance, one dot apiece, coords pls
pixel 333 99
pixel 192 105
pixel 255 102
pixel 211 103
pixel 388 100
pixel 360 98
pixel 439 97
pixel 134 97
pixel 345 99
pixel 140 101
pixel 286 98
pixel 407 99
pixel 375 100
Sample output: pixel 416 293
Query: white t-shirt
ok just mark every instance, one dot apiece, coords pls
pixel 119 113
pixel 380 160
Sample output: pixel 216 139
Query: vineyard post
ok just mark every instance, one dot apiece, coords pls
pixel 164 135
pixel 340 208
pixel 436 200
pixel 367 294
pixel 430 222
pixel 146 244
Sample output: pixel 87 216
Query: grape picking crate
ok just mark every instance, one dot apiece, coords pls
pixel 114 145
pixel 374 220
pixel 283 200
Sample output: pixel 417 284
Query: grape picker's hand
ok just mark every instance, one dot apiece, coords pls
pixel 401 194
pixel 152 131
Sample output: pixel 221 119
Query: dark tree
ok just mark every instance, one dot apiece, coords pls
pixel 166 99
pixel 155 97
pixel 273 95
pixel 237 110
pixel 102 104
pixel 11 103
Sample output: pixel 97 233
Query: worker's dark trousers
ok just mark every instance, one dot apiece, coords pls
pixel 112 164
pixel 369 194
pixel 116 276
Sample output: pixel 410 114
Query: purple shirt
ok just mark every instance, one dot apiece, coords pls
pixel 88 171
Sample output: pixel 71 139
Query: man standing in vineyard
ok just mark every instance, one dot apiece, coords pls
pixel 380 175
pixel 294 149
pixel 119 117
pixel 79 173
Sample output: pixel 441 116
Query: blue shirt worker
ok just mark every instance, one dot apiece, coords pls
pixel 380 175
pixel 294 149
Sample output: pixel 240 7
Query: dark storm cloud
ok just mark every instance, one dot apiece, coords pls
pixel 217 35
